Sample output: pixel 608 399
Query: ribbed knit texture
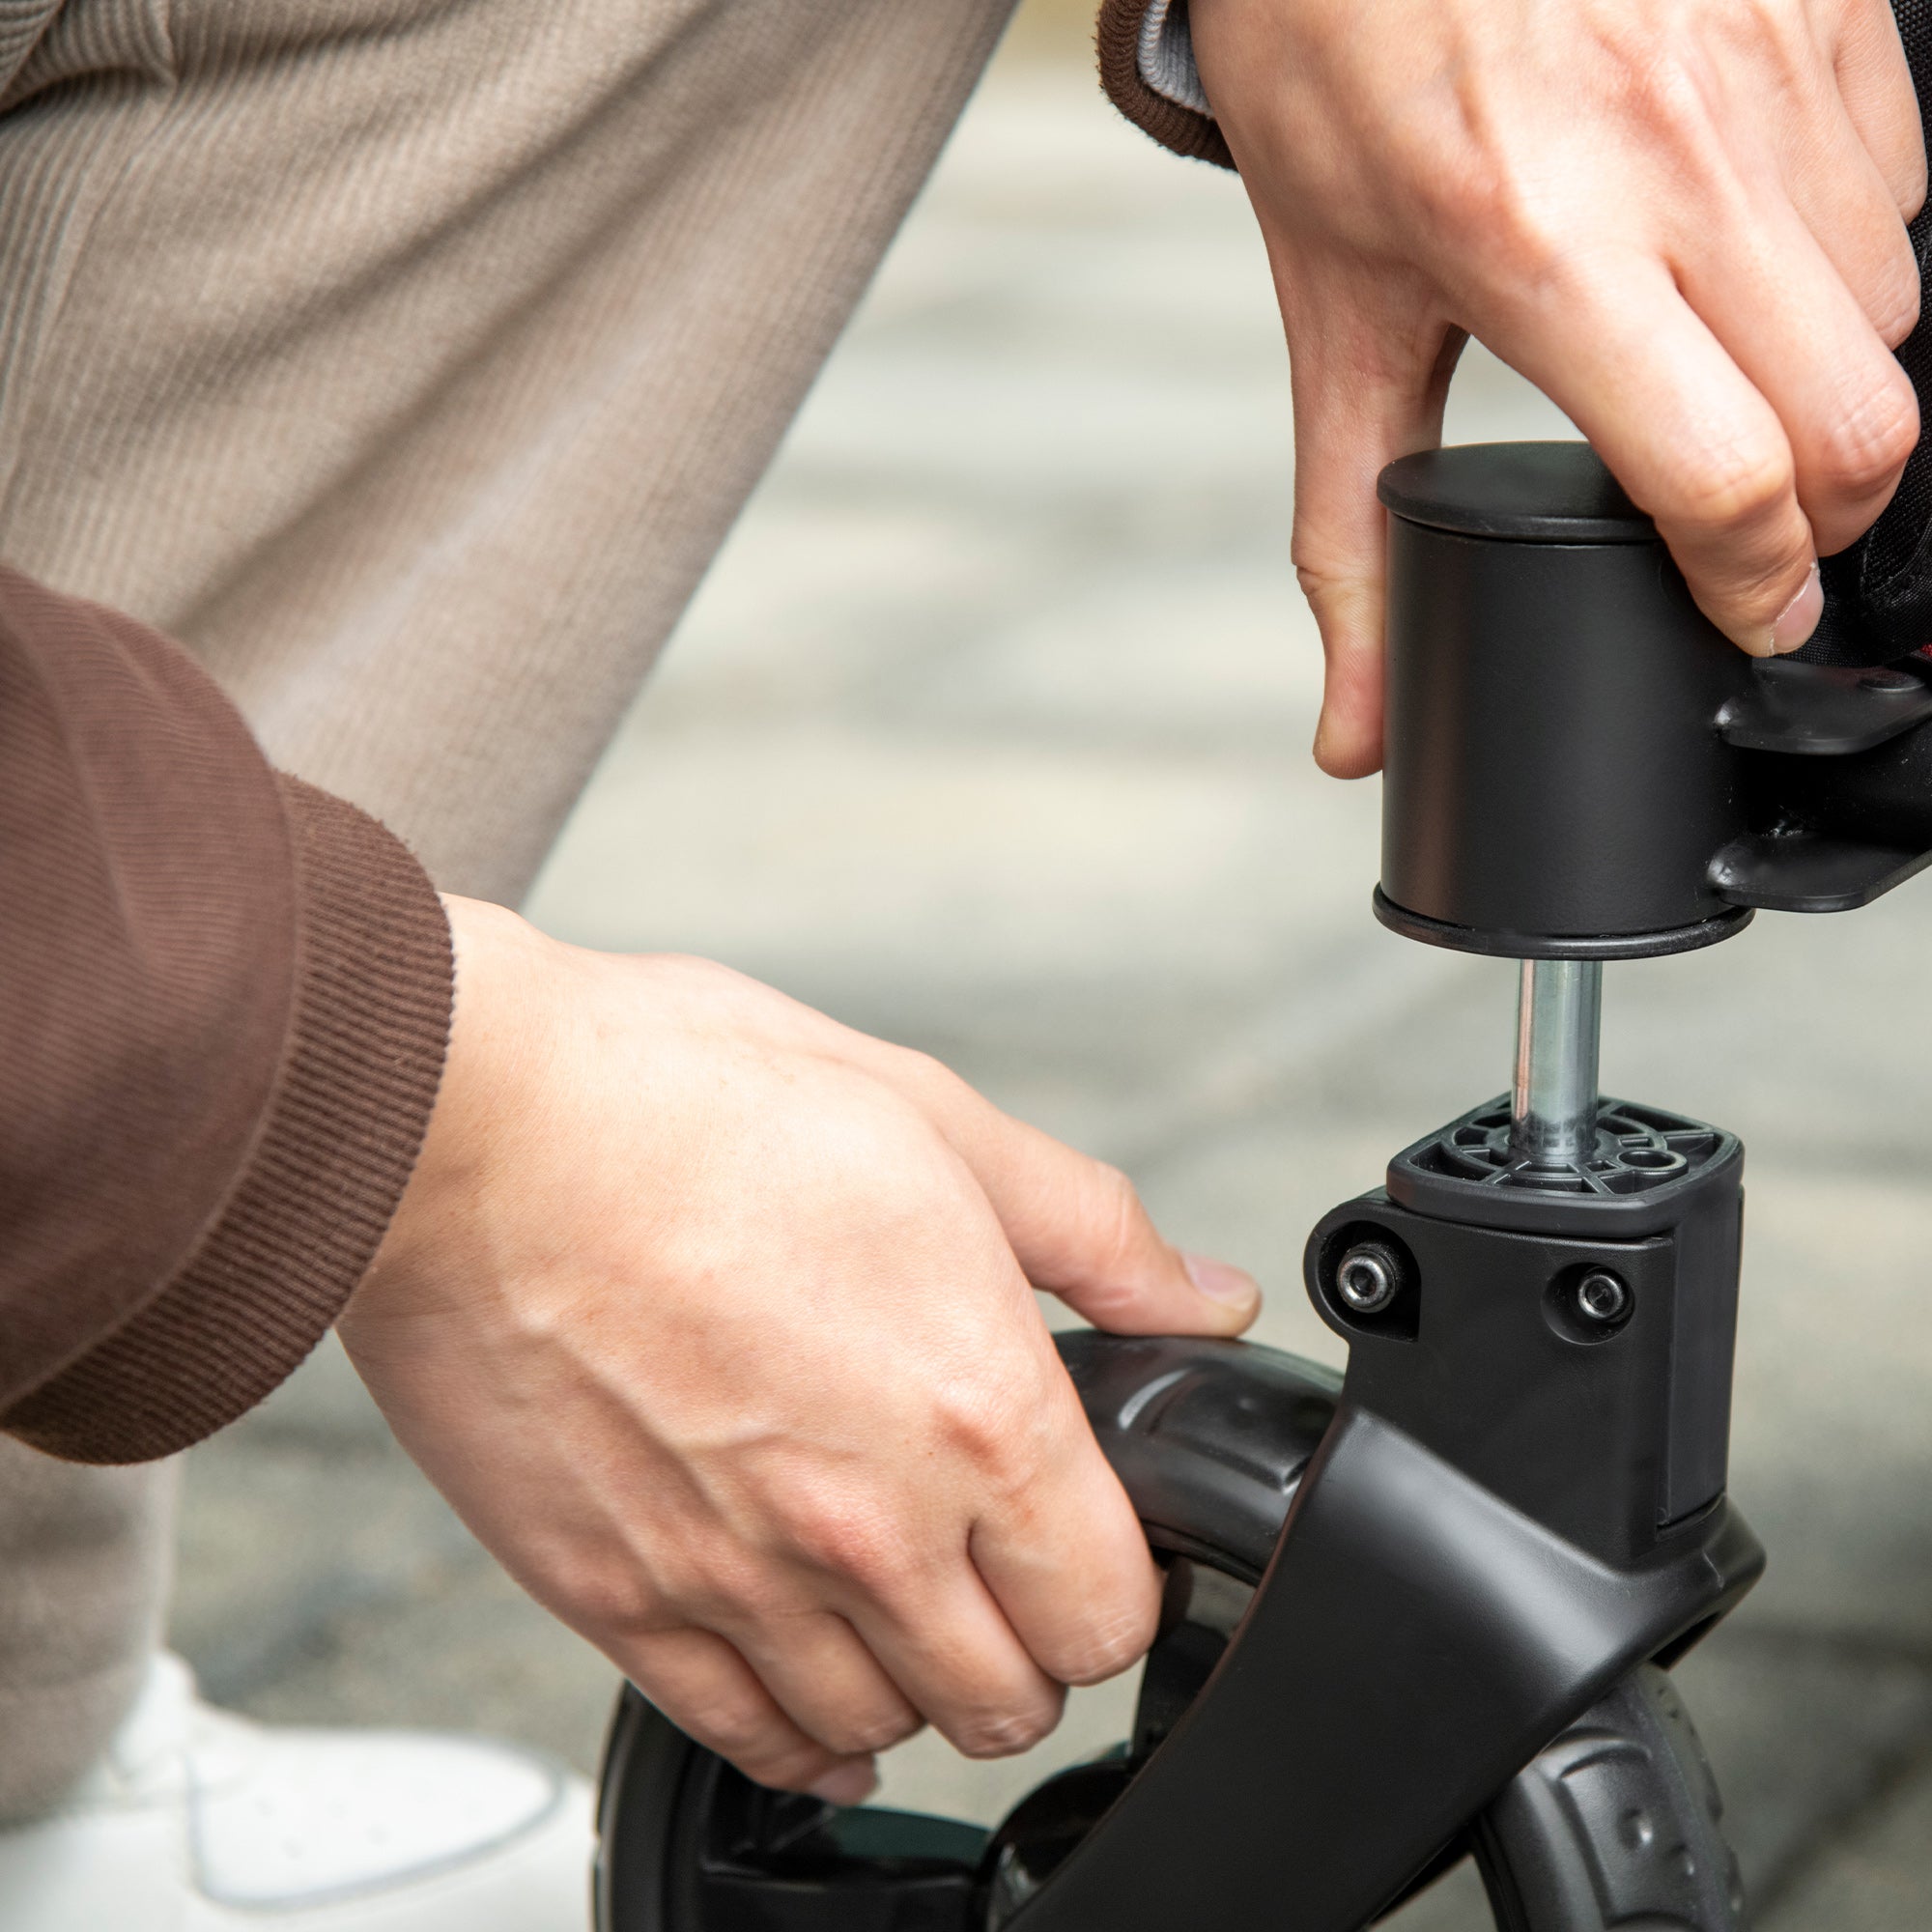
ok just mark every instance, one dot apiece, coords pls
pixel 1117 40
pixel 353 1098
pixel 224 1001
pixel 148 968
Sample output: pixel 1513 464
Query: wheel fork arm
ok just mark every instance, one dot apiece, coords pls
pixel 1414 1643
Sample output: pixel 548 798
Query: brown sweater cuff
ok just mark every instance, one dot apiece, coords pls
pixel 1117 41
pixel 333 1155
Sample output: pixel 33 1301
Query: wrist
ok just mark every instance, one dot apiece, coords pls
pixel 495 1026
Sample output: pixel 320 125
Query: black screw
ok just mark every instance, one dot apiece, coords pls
pixel 1602 1298
pixel 1368 1277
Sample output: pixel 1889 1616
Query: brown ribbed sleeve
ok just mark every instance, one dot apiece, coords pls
pixel 224 999
pixel 1117 39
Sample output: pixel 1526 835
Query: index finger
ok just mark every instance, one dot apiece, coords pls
pixel 1614 344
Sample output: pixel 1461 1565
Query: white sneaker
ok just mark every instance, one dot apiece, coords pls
pixel 197 1821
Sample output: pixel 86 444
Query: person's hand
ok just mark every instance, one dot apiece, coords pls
pixel 1683 221
pixel 713 1319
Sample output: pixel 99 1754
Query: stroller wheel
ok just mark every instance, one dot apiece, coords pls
pixel 1614 1823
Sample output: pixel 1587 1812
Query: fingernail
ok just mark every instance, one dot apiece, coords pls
pixel 1219 1282
pixel 1800 617
pixel 849 1783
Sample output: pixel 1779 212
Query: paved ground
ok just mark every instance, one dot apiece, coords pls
pixel 988 734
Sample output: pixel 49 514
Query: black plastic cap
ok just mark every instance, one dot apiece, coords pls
pixel 1555 782
pixel 1520 491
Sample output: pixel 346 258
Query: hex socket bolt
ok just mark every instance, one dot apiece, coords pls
pixel 1602 1298
pixel 1368 1277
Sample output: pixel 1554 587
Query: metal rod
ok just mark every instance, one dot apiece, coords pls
pixel 1553 1101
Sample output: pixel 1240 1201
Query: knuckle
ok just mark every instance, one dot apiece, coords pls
pixel 1502 228
pixel 1453 154
pixel 787 1766
pixel 1868 442
pixel 1113 1216
pixel 1525 252
pixel 620 1603
pixel 730 1590
pixel 1733 485
pixel 1909 187
pixel 1018 1455
pixel 1895 305
pixel 1319 578
pixel 864 1544
pixel 1342 594
pixel 990 1734
pixel 1900 148
pixel 1110 1645
pixel 857 1736
pixel 608 1603
pixel 980 1422
pixel 742 1731
pixel 927 1073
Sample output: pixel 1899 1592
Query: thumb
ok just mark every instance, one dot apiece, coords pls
pixel 1363 396
pixel 1080 1231
pixel 1075 1225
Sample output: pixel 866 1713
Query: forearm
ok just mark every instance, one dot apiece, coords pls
pixel 224 1002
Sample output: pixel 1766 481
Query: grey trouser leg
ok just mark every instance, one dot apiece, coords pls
pixel 410 361
pixel 85 1557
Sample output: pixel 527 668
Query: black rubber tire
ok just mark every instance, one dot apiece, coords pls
pixel 1615 1825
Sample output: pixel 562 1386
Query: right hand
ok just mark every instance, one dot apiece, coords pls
pixel 1683 221
pixel 714 1318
